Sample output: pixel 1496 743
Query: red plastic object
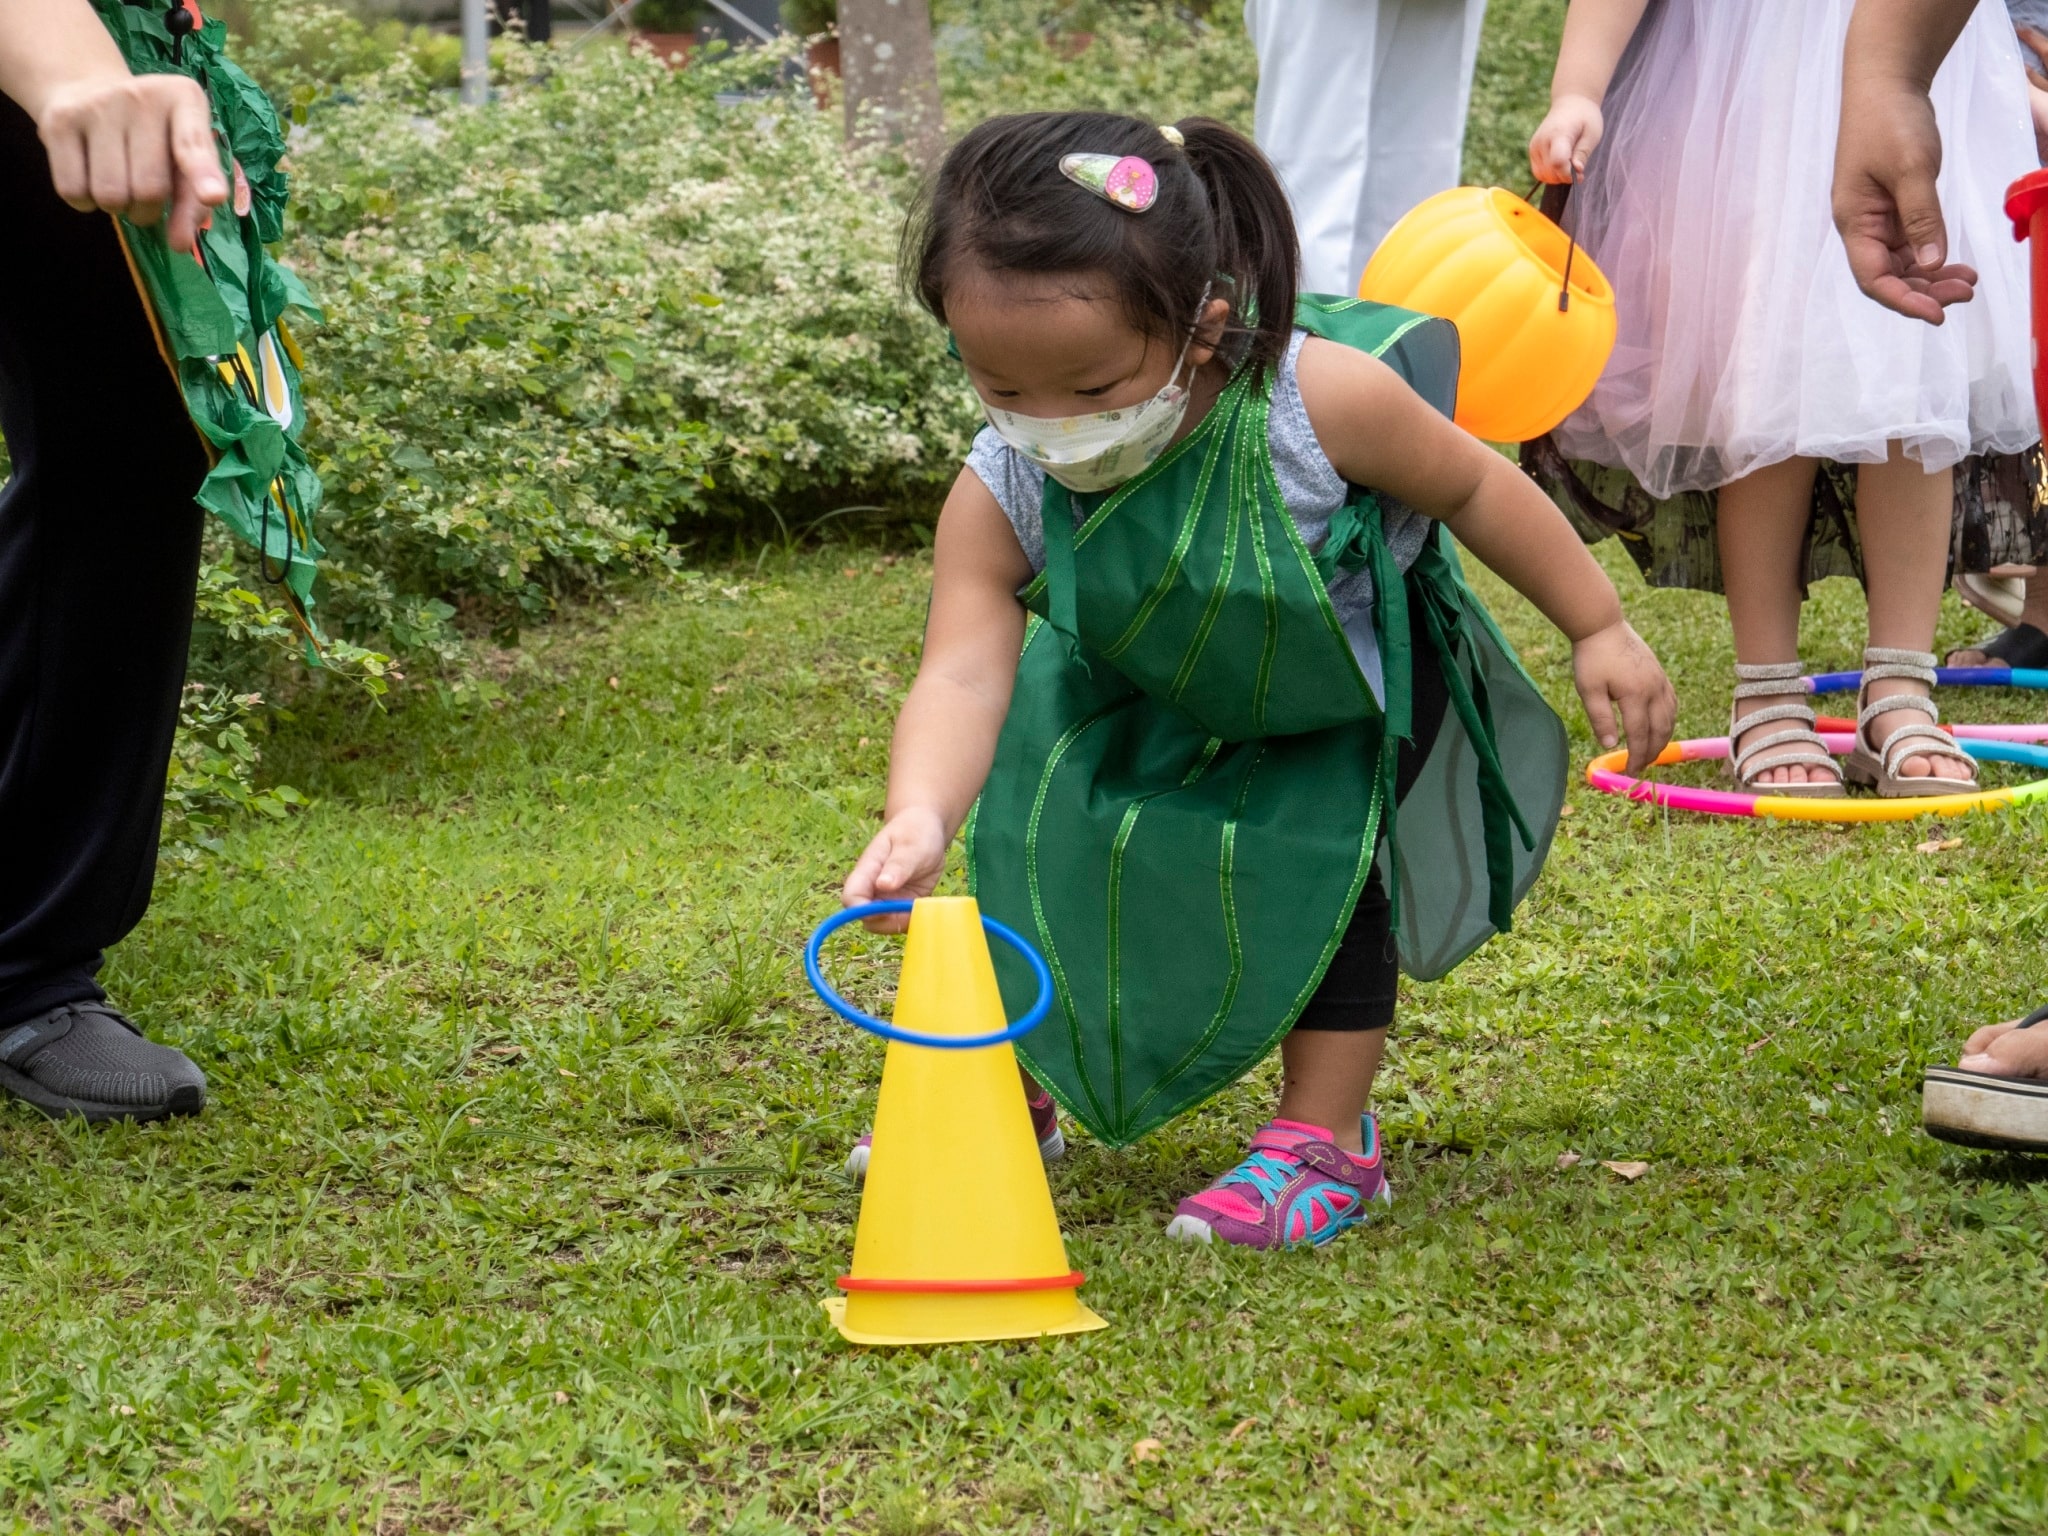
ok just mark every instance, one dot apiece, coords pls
pixel 2026 204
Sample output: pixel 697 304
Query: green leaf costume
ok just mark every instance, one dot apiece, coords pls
pixel 1191 784
pixel 219 319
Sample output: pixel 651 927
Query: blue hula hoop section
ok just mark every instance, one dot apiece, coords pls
pixel 2023 753
pixel 1944 677
pixel 874 1026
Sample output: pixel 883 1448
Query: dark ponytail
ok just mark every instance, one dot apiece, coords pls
pixel 1221 222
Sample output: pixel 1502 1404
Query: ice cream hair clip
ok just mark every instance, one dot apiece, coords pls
pixel 1128 181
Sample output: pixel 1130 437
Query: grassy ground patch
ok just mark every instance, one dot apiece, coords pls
pixel 521 1186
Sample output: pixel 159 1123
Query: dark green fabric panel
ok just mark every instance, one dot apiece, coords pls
pixel 1189 786
pixel 1143 857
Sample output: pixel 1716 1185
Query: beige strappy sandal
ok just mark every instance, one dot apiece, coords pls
pixel 1760 682
pixel 1867 765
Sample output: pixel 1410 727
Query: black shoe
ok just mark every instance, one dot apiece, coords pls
pixel 85 1059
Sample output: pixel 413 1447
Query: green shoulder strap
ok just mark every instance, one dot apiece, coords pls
pixel 1424 351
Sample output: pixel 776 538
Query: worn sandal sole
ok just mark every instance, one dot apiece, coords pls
pixel 1806 791
pixel 183 1101
pixel 2002 598
pixel 1973 1109
pixel 1860 768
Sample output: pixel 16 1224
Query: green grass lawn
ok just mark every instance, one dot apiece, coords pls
pixel 521 1184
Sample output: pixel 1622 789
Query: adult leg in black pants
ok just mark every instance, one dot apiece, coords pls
pixel 99 553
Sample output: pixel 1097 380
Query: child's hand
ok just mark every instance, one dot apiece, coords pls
pixel 1613 668
pixel 905 860
pixel 1562 141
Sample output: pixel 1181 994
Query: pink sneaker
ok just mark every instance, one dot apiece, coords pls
pixel 1295 1186
pixel 1045 1124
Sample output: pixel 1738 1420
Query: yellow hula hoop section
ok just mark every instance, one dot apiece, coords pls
pixel 1604 773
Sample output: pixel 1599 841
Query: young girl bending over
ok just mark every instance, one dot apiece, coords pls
pixel 1197 635
pixel 1747 357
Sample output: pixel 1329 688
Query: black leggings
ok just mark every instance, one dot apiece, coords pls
pixel 99 552
pixel 1357 991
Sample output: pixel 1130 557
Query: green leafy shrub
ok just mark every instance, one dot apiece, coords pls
pixel 303 50
pixel 239 633
pixel 1160 61
pixel 213 773
pixel 607 311
pixel 669 15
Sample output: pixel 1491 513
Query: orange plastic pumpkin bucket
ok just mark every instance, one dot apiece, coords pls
pixel 1533 344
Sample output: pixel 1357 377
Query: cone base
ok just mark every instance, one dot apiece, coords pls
pixel 904 1318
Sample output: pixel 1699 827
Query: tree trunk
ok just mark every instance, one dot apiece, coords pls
pixel 892 78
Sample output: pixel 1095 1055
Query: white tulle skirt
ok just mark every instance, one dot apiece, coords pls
pixel 1743 339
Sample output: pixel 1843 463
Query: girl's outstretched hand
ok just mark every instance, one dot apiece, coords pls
pixel 1614 669
pixel 904 861
pixel 1562 141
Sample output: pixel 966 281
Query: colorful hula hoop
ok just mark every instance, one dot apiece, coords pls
pixel 1602 773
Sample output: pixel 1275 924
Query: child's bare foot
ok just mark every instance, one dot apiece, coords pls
pixel 1916 765
pixel 1774 745
pixel 1770 764
pixel 1901 750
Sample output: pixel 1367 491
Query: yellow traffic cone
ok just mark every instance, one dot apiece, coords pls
pixel 957 1238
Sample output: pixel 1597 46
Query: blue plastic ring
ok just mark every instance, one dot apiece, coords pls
pixel 875 1026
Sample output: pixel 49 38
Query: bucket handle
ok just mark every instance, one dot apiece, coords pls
pixel 1571 250
pixel 875 1026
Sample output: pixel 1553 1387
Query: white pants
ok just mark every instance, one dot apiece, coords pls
pixel 1361 107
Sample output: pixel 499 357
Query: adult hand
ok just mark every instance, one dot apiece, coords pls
pixel 134 145
pixel 1888 153
pixel 1886 206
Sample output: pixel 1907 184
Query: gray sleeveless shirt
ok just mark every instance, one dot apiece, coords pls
pixel 1310 487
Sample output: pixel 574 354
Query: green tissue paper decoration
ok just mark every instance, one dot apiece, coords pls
pixel 220 316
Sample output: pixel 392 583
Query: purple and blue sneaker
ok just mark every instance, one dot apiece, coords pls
pixel 1295 1186
pixel 1045 1125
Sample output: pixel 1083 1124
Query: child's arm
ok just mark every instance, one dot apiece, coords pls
pixel 1379 432
pixel 1595 33
pixel 946 733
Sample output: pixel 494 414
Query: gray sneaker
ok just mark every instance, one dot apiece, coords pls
pixel 84 1059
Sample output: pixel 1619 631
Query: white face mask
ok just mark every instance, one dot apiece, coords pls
pixel 1103 448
